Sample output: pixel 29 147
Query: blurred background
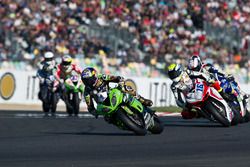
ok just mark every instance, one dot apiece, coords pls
pixel 127 37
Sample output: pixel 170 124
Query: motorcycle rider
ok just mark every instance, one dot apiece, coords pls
pixel 182 86
pixel 97 83
pixel 196 67
pixel 64 70
pixel 46 68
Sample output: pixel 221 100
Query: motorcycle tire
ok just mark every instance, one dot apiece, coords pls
pixel 68 103
pixel 247 117
pixel 158 127
pixel 69 110
pixel 218 116
pixel 53 104
pixel 131 124
pixel 76 103
pixel 46 107
pixel 236 119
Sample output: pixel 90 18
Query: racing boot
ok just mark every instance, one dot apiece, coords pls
pixel 246 96
pixel 224 95
pixel 144 101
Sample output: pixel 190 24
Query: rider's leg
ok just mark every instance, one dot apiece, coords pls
pixel 217 86
pixel 144 101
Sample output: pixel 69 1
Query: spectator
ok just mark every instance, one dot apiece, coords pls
pixel 161 29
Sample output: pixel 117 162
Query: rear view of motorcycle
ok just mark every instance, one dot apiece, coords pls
pixel 73 94
pixel 49 95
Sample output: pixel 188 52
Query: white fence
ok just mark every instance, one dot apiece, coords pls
pixel 20 87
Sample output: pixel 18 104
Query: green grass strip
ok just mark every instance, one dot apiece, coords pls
pixel 167 109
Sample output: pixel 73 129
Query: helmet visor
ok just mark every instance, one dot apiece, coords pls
pixel 90 81
pixel 66 63
pixel 175 74
pixel 48 59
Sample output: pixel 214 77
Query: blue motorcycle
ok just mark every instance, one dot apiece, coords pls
pixel 236 101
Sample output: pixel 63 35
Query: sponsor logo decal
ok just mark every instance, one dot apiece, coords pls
pixel 7 86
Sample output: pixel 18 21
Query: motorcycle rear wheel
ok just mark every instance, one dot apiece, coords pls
pixel 76 103
pixel 54 101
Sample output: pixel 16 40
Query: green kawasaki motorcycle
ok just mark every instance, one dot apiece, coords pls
pixel 73 95
pixel 127 113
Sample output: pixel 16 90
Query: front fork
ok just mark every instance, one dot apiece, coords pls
pixel 79 95
pixel 148 117
pixel 149 120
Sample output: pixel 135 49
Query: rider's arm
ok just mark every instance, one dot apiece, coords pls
pixel 77 68
pixel 40 75
pixel 212 70
pixel 200 75
pixel 89 100
pixel 58 73
pixel 111 78
pixel 179 96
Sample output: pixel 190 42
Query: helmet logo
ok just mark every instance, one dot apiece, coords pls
pixel 86 73
pixel 171 67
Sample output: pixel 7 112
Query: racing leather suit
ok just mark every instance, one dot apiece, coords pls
pixel 64 74
pixel 46 68
pixel 183 92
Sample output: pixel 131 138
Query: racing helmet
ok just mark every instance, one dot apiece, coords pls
pixel 66 60
pixel 89 76
pixel 175 72
pixel 194 63
pixel 48 56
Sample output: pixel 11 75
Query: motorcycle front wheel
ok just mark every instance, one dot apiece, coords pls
pixel 157 128
pixel 133 122
pixel 217 111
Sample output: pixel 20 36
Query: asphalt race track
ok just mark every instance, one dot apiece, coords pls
pixel 27 139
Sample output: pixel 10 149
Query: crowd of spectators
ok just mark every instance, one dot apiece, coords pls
pixel 163 31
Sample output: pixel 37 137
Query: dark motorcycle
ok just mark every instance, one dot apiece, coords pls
pixel 49 95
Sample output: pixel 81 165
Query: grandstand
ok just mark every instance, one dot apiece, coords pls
pixel 127 37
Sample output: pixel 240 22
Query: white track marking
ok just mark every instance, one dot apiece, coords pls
pixel 42 115
pixel 65 115
pixel 164 114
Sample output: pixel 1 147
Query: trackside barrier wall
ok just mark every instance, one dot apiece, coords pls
pixel 21 87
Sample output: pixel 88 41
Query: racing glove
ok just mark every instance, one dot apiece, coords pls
pixel 230 77
pixel 121 79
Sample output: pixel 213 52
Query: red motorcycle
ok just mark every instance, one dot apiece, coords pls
pixel 209 103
